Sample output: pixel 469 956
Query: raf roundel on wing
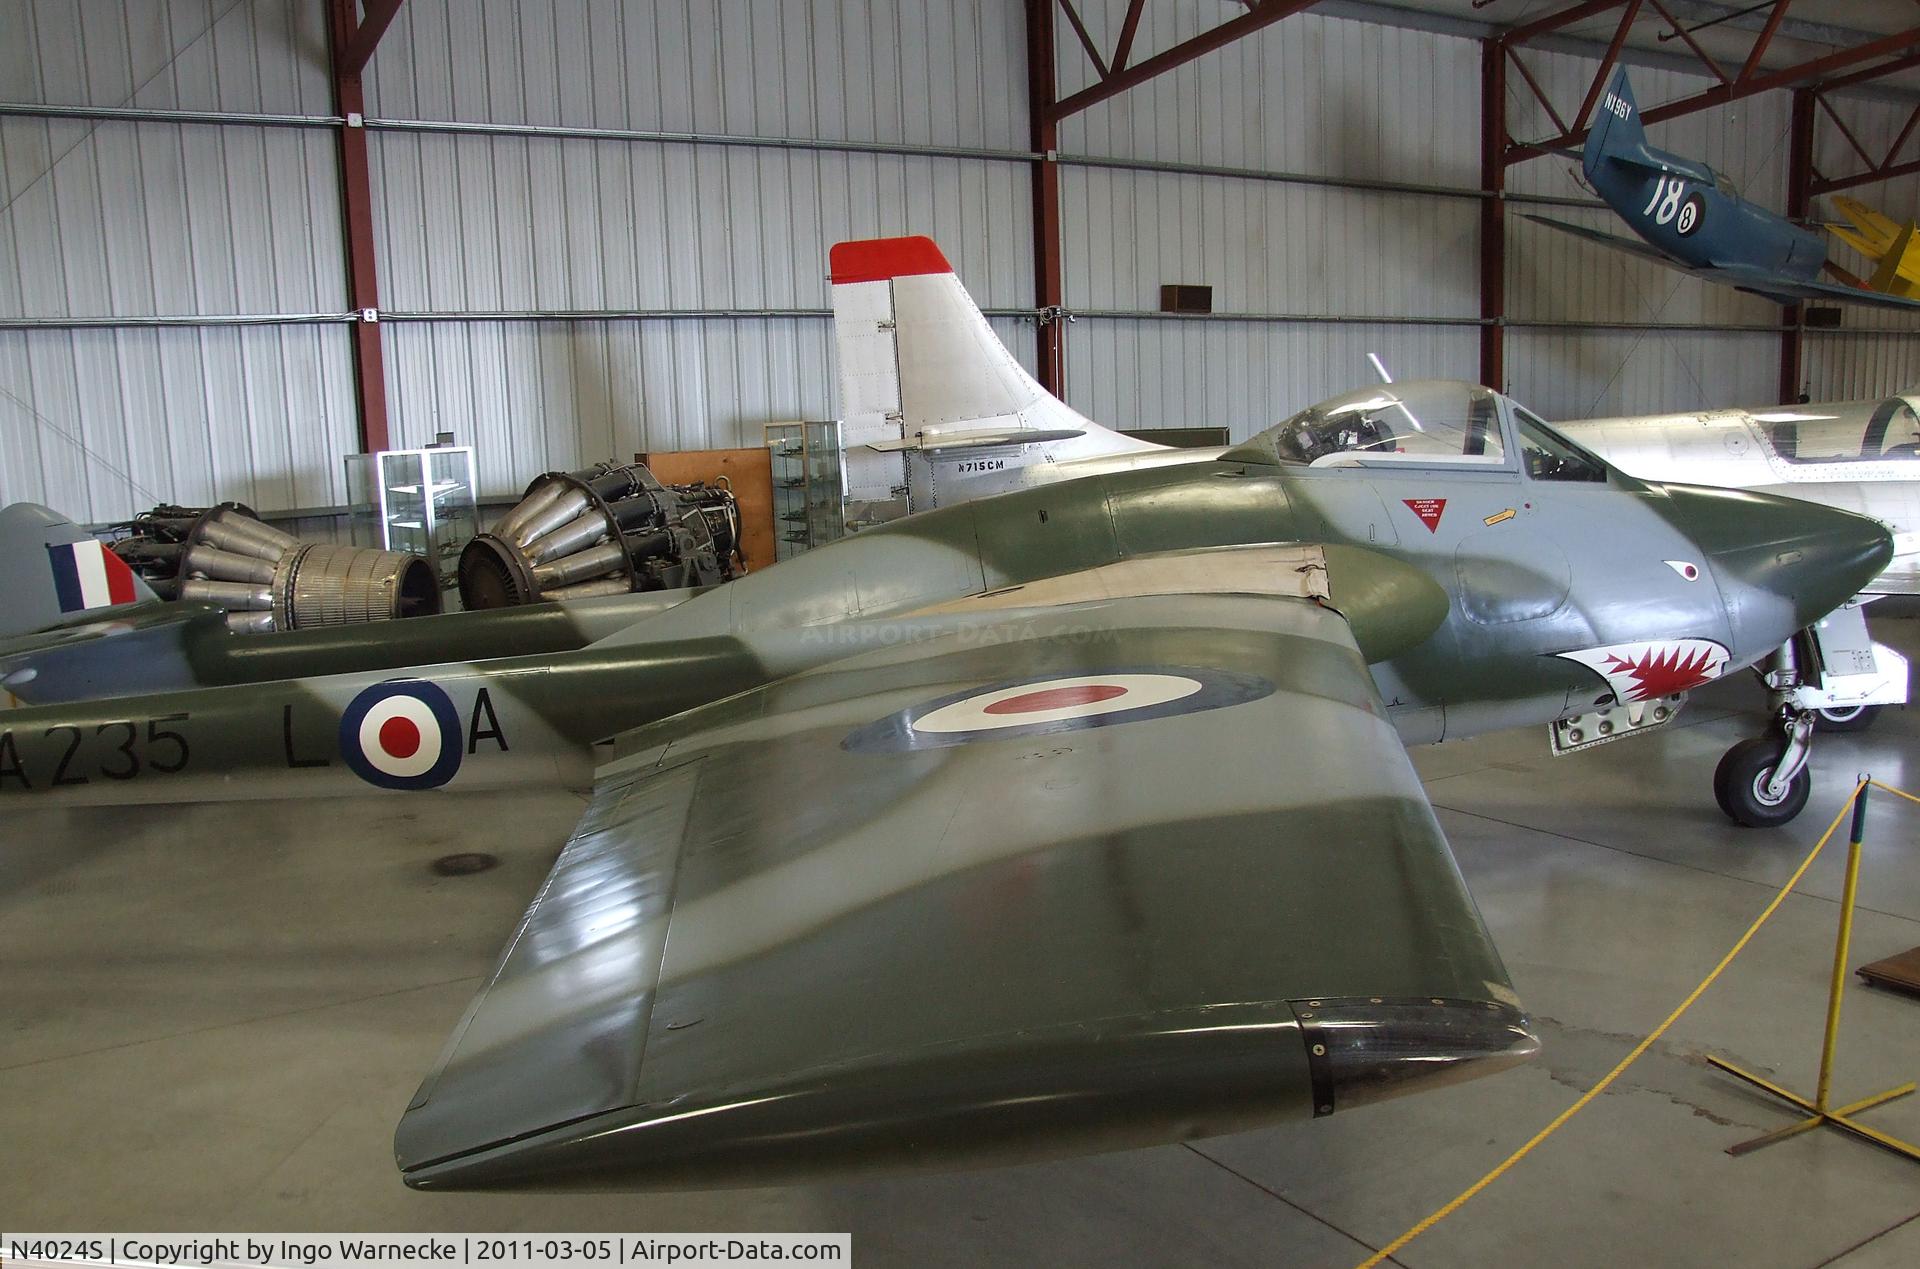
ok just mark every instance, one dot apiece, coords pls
pixel 1034 707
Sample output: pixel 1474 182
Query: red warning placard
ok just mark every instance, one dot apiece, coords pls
pixel 1429 510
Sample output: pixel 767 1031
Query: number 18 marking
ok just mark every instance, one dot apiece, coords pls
pixel 1667 192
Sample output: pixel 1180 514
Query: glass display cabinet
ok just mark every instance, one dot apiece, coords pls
pixel 416 500
pixel 806 486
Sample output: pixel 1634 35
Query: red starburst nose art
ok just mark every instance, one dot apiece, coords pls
pixel 1660 667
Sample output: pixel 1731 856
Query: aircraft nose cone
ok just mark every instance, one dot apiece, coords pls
pixel 1781 563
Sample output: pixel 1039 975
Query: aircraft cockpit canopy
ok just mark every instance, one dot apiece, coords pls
pixel 1424 423
pixel 1851 432
pixel 1418 420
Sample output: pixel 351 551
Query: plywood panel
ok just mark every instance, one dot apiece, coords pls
pixel 750 471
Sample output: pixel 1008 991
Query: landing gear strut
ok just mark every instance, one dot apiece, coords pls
pixel 1763 782
pixel 1830 677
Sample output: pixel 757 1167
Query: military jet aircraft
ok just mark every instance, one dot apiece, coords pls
pixel 1692 219
pixel 1063 820
pixel 1861 456
pixel 919 364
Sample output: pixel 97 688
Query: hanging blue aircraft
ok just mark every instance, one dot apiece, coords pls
pixel 1694 220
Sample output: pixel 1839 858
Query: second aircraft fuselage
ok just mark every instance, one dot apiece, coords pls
pixel 1467 590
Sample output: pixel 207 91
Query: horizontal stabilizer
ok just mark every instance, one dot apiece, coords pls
pixel 977 438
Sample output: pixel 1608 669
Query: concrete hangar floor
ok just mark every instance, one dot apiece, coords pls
pixel 211 1018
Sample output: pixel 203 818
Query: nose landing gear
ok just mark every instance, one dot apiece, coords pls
pixel 1830 677
pixel 1763 782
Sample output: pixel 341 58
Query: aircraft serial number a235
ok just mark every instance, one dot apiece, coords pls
pixel 1069 819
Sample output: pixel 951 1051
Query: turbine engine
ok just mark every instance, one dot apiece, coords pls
pixel 609 530
pixel 266 579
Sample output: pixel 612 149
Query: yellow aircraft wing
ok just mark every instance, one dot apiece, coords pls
pixel 1872 232
pixel 1884 241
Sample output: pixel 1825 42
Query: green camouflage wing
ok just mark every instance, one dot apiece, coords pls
pixel 1096 875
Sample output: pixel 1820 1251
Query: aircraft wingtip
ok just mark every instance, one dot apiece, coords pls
pixel 878 259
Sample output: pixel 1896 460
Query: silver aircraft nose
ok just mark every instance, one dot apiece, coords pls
pixel 1781 563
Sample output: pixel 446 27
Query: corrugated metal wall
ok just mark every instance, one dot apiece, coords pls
pixel 1311 96
pixel 175 219
pixel 142 219
pixel 490 222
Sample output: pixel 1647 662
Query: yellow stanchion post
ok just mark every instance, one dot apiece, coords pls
pixel 1820 1109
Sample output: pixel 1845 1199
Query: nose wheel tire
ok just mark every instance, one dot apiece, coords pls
pixel 1740 785
pixel 1857 718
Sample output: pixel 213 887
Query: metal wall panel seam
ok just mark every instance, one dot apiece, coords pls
pixel 822 145
pixel 173 319
pixel 212 320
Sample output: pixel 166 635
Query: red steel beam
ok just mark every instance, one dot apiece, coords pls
pixel 366 38
pixel 1823 186
pixel 1606 63
pixel 1766 37
pixel 1044 135
pixel 1086 40
pixel 1871 73
pixel 1845 131
pixel 1265 14
pixel 1129 26
pixel 1886 168
pixel 1893 151
pixel 356 199
pixel 1493 214
pixel 1785 77
pixel 1799 207
pixel 1680 29
pixel 1539 93
pixel 1723 94
pixel 1554 21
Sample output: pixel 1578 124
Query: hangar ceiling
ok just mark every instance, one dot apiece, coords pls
pixel 1725 32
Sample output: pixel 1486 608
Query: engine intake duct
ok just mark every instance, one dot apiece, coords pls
pixel 608 530
pixel 268 580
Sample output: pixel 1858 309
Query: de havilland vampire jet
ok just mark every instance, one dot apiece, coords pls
pixel 953 416
pixel 1692 219
pixel 1073 818
pixel 1861 456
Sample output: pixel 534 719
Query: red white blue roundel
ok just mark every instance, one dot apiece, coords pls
pixel 1042 706
pixel 403 734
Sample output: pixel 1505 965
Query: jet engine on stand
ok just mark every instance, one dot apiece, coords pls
pixel 609 530
pixel 266 579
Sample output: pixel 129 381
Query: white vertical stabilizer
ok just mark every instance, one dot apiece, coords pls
pixel 927 389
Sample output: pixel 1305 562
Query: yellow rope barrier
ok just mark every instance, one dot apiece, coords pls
pixel 1888 788
pixel 1652 1038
